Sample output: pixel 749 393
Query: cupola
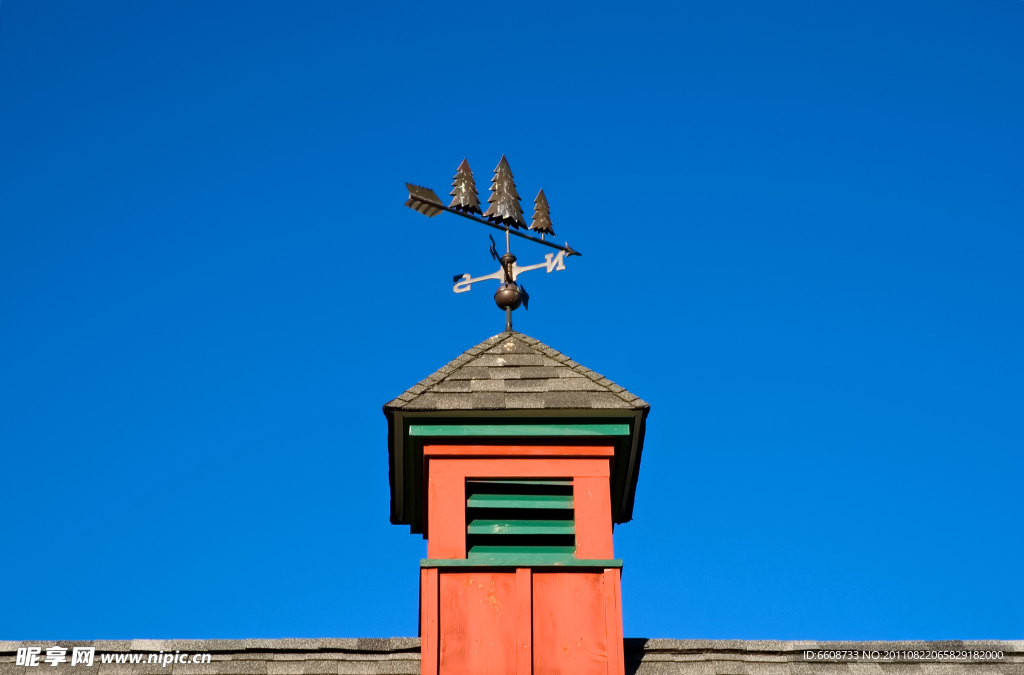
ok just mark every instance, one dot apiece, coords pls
pixel 515 462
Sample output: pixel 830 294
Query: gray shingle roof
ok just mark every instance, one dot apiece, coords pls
pixel 401 656
pixel 513 371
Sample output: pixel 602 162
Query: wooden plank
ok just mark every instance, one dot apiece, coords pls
pixel 532 553
pixel 518 451
pixel 569 623
pixel 447 512
pixel 613 618
pixel 479 622
pixel 593 518
pixel 503 481
pixel 518 430
pixel 524 622
pixel 430 637
pixel 516 561
pixel 489 501
pixel 517 468
pixel 482 526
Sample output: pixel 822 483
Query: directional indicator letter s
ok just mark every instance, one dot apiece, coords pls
pixel 465 282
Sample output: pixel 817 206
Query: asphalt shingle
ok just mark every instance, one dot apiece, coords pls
pixel 401 656
pixel 512 371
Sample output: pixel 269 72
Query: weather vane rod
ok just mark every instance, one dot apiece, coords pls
pixel 503 213
pixel 436 203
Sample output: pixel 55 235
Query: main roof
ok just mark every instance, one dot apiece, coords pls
pixel 512 371
pixel 401 656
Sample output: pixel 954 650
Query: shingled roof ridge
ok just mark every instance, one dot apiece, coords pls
pixel 597 378
pixel 613 388
pixel 483 352
pixel 442 373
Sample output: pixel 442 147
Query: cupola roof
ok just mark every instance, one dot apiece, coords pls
pixel 513 371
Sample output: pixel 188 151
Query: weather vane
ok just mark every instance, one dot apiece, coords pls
pixel 503 213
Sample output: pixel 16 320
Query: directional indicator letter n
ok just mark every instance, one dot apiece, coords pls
pixel 555 262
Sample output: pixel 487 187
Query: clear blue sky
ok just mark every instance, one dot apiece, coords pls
pixel 803 233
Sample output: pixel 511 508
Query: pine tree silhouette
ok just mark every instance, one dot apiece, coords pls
pixel 504 200
pixel 464 192
pixel 542 216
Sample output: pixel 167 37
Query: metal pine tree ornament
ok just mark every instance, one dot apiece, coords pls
pixel 542 216
pixel 504 200
pixel 505 214
pixel 465 197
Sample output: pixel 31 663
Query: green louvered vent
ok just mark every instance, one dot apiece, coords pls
pixel 531 520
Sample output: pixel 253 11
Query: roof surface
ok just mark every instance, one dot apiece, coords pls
pixel 513 371
pixel 401 656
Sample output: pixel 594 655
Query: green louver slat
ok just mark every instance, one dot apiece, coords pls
pixel 522 527
pixel 537 554
pixel 485 501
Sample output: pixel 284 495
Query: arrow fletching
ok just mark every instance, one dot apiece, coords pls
pixel 423 200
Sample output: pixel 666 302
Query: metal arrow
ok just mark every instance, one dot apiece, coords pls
pixel 425 201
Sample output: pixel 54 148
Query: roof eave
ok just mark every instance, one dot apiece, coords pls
pixel 401 463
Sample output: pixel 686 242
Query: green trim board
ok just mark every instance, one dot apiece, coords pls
pixel 562 552
pixel 489 501
pixel 519 430
pixel 519 561
pixel 537 554
pixel 522 527
pixel 506 481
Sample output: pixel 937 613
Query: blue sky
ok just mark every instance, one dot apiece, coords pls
pixel 802 235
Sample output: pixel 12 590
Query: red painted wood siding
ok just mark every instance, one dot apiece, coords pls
pixel 446 512
pixel 613 616
pixel 524 621
pixel 570 630
pixel 592 501
pixel 429 613
pixel 479 623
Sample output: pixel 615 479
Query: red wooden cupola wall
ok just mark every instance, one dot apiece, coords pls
pixel 514 462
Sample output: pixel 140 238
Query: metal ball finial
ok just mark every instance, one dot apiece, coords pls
pixel 508 296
